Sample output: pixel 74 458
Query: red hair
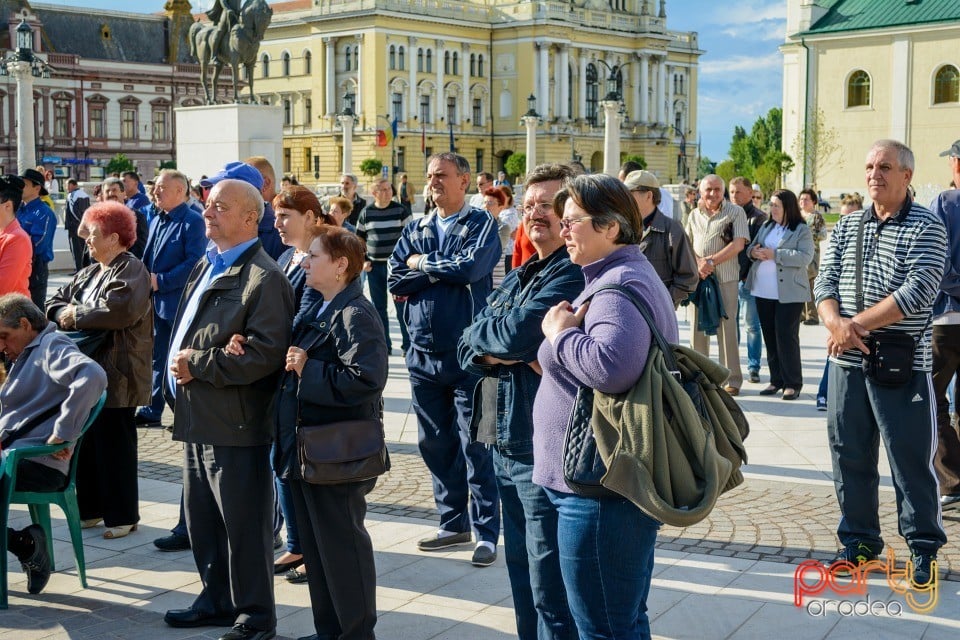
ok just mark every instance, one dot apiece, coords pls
pixel 496 194
pixel 113 217
pixel 340 243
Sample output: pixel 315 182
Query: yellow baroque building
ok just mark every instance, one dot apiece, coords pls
pixel 871 69
pixel 462 72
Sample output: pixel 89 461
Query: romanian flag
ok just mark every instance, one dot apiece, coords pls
pixel 387 136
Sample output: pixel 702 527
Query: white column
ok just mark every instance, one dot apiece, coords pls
pixel 644 88
pixel 359 103
pixel 900 75
pixel 661 89
pixel 413 107
pixel 669 71
pixel 611 137
pixel 543 77
pixel 564 77
pixel 635 92
pixel 331 72
pixel 531 124
pixel 465 99
pixel 441 107
pixel 346 122
pixel 582 87
pixel 26 146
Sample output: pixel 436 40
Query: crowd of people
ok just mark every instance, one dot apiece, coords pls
pixel 242 312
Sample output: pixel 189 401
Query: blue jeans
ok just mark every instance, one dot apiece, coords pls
pixel 606 557
pixel 377 283
pixel 285 498
pixel 747 311
pixel 530 550
pixel 162 330
pixel 824 379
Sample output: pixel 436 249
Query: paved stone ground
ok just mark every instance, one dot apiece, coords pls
pixel 759 520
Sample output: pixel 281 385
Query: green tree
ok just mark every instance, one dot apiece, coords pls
pixel 758 155
pixel 635 158
pixel 168 164
pixel 118 164
pixel 817 147
pixel 516 165
pixel 705 167
pixel 726 170
pixel 371 167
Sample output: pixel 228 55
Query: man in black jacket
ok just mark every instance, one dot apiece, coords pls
pixel 741 193
pixel 77 203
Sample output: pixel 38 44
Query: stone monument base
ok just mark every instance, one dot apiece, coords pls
pixel 210 136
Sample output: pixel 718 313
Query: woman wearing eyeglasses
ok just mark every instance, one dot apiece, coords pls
pixel 602 345
pixel 16 250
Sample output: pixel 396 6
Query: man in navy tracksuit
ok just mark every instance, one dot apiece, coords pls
pixel 443 265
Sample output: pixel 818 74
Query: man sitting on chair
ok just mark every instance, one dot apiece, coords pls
pixel 50 389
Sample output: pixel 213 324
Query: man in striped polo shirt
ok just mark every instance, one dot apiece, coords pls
pixel 904 248
pixel 380 225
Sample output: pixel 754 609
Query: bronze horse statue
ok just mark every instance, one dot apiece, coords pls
pixel 232 41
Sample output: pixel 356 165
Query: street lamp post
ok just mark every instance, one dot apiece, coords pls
pixel 612 105
pixel 531 119
pixel 24 66
pixel 346 119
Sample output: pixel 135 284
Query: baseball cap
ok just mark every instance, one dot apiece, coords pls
pixel 235 171
pixel 641 178
pixel 953 151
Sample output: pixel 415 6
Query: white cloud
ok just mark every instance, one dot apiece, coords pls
pixel 741 11
pixel 769 31
pixel 738 63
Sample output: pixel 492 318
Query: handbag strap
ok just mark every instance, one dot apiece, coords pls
pixel 858 268
pixel 644 310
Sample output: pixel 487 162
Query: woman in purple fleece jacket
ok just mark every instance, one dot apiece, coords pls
pixel 605 544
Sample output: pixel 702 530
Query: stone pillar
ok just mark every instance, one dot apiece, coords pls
pixel 636 93
pixel 358 106
pixel 582 85
pixel 465 99
pixel 331 72
pixel 661 89
pixel 530 122
pixel 611 137
pixel 669 71
pixel 441 106
pixel 543 78
pixel 644 88
pixel 26 143
pixel 563 76
pixel 346 122
pixel 413 108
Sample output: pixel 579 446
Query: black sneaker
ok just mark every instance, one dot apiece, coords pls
pixel 754 376
pixel 855 554
pixel 172 542
pixel 924 568
pixel 435 542
pixel 483 556
pixel 37 566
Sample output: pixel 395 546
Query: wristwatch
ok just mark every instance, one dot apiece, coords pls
pixel 710 261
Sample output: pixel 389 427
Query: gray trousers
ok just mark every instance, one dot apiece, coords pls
pixel 228 499
pixel 859 414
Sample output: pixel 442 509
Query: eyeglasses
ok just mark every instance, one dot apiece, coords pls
pixel 566 223
pixel 540 207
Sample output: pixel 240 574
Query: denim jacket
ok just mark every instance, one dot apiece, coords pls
pixel 947 206
pixel 508 328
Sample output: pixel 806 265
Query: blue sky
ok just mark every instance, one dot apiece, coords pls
pixel 741 74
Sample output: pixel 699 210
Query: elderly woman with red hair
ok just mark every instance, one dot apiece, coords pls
pixel 110 299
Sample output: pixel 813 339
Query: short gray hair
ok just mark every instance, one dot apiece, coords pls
pixel 710 177
pixel 178 176
pixel 14 306
pixel 461 163
pixel 109 182
pixel 904 154
pixel 352 177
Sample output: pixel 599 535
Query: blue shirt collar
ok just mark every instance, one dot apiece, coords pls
pixel 231 255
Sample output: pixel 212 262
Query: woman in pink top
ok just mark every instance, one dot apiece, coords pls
pixel 16 251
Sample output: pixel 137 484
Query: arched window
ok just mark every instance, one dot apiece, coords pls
pixel 346 65
pixel 446 62
pixel 420 60
pixel 593 88
pixel 307 62
pixel 473 65
pixel 403 63
pixel 946 85
pixel 393 58
pixel 356 58
pixel 858 89
pixel 480 65
pixel 429 61
pixel 456 64
pixel 286 64
pixel 265 65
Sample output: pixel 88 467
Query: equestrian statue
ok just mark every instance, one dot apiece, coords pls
pixel 233 38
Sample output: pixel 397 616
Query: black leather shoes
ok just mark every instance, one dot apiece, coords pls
pixel 769 391
pixel 187 618
pixel 37 566
pixel 243 632
pixel 283 567
pixel 172 542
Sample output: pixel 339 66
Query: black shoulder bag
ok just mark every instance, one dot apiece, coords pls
pixel 890 361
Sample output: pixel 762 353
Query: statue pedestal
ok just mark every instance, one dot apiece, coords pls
pixel 209 137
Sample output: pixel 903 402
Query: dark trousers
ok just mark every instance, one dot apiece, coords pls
pixel 38 281
pixel 31 476
pixel 161 363
pixel 228 498
pixel 780 325
pixel 860 413
pixel 77 248
pixel 377 283
pixel 531 551
pixel 946 363
pixel 107 469
pixel 338 553
pixel 464 485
